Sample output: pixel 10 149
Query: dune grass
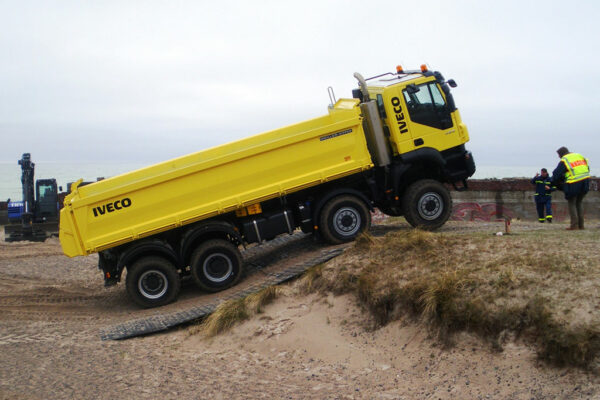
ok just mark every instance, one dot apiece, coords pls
pixel 532 284
pixel 235 311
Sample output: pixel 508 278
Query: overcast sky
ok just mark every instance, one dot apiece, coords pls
pixel 146 81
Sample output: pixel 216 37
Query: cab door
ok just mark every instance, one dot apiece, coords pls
pixel 46 200
pixel 431 123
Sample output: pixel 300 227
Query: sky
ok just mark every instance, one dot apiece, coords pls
pixel 146 81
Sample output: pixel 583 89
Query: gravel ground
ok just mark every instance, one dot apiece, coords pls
pixel 52 308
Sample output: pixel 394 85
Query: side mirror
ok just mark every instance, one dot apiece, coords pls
pixel 60 188
pixel 412 88
pixel 451 83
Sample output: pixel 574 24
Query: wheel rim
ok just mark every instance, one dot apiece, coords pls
pixel 430 206
pixel 346 221
pixel 217 267
pixel 153 284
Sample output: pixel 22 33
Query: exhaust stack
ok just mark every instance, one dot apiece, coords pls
pixel 376 141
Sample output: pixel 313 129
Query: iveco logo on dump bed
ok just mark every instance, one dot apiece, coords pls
pixel 399 115
pixel 110 207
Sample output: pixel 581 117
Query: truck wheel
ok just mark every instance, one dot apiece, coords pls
pixel 152 282
pixel 216 265
pixel 427 204
pixel 343 218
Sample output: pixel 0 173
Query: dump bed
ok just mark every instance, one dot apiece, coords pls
pixel 214 181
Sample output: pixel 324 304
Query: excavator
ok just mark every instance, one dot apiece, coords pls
pixel 35 218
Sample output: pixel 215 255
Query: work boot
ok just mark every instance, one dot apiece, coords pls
pixel 549 220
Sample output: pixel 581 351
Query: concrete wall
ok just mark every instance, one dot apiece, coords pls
pixel 490 200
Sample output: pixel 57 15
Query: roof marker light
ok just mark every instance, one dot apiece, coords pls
pixel 423 68
pixel 399 69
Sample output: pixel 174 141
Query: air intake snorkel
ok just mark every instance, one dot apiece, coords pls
pixel 363 87
pixel 376 141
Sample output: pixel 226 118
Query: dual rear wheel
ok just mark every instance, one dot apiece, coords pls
pixel 154 281
pixel 216 265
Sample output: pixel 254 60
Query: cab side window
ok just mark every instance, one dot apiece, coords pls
pixel 427 106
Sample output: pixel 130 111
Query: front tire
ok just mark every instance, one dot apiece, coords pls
pixel 427 204
pixel 216 265
pixel 153 282
pixel 343 218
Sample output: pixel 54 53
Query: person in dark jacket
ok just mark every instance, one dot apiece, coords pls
pixel 573 173
pixel 543 195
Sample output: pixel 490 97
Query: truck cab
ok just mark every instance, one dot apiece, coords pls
pixel 417 139
pixel 421 121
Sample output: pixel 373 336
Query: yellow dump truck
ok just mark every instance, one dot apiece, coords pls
pixel 392 146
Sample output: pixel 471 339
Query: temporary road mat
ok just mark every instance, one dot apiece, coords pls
pixel 162 322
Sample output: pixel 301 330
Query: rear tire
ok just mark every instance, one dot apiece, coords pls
pixel 152 282
pixel 343 218
pixel 216 265
pixel 427 204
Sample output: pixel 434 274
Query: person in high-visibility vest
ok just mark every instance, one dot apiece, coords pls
pixel 573 172
pixel 543 195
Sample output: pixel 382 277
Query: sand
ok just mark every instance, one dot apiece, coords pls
pixel 52 307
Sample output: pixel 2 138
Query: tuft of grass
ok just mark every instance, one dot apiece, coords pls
pixel 414 239
pixel 311 279
pixel 235 311
pixel 380 301
pixel 440 297
pixel 443 303
pixel 256 301
pixel 364 241
pixel 223 318
pixel 506 278
pixel 562 345
pixel 344 282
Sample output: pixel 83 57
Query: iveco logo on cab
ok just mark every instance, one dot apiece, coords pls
pixel 399 115
pixel 110 207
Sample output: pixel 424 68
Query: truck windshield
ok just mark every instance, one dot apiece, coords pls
pixel 427 106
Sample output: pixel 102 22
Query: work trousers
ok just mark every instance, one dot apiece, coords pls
pixel 576 210
pixel 544 204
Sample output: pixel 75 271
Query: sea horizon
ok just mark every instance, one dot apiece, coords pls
pixel 66 172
